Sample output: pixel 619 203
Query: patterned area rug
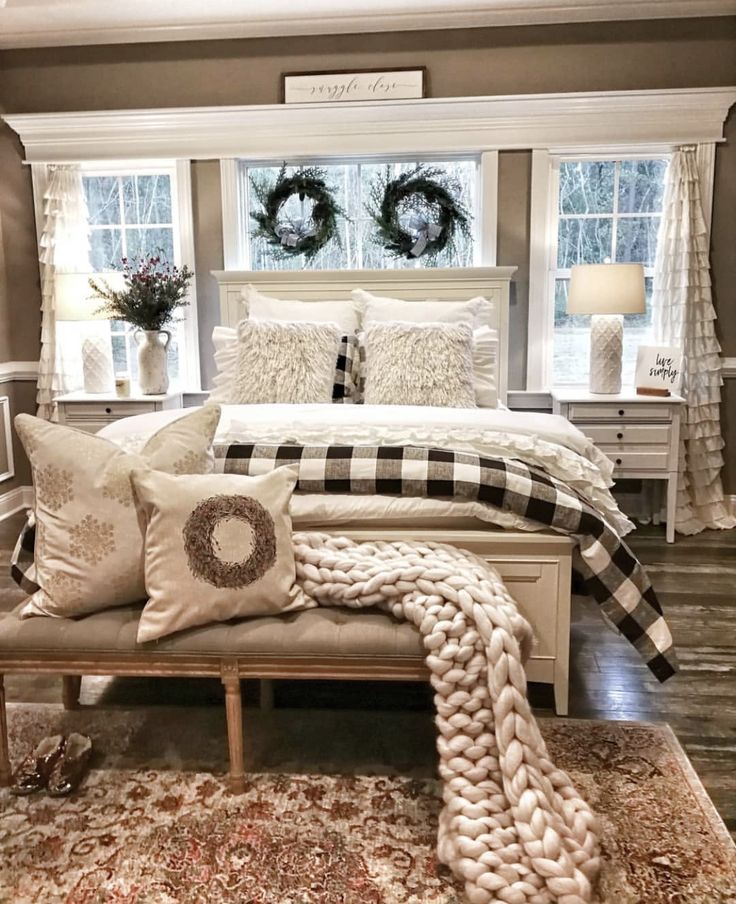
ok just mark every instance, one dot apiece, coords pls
pixel 170 834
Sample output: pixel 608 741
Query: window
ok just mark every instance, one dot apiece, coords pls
pixel 606 210
pixel 356 249
pixel 133 213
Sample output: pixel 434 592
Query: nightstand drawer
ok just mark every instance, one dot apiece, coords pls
pixel 582 411
pixel 642 458
pixel 106 411
pixel 636 434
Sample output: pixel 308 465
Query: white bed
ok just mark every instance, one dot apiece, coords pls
pixel 536 565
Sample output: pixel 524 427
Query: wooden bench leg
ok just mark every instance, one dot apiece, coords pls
pixel 72 685
pixel 234 713
pixel 5 773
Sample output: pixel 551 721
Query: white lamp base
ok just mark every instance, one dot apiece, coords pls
pixel 606 348
pixel 97 364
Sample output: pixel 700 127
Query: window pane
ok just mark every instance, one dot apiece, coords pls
pixel 147 199
pixel 150 242
pixel 636 240
pixel 587 186
pixel 103 199
pixel 105 249
pixel 641 185
pixel 572 340
pixel 352 183
pixel 584 241
pixel 120 354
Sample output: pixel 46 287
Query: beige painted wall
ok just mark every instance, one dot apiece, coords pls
pixel 586 57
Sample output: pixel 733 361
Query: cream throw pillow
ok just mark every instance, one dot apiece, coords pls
pixel 89 548
pixel 285 362
pixel 419 364
pixel 217 547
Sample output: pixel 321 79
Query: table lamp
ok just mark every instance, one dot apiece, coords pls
pixel 75 300
pixel 607 291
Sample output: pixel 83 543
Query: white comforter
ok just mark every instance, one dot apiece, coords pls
pixel 545 440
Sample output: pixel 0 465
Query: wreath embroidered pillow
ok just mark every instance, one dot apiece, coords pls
pixel 89 548
pixel 217 547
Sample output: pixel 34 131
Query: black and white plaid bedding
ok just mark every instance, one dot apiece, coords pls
pixel 610 572
pixel 345 389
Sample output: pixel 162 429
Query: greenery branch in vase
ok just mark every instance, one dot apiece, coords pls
pixel 153 292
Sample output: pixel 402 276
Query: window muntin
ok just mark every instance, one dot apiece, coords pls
pixel 132 215
pixel 607 209
pixel 356 250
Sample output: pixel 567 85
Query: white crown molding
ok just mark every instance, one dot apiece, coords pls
pixel 21 371
pixel 728 368
pixel 266 20
pixel 556 122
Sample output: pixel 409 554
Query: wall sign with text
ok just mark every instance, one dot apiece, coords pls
pixel 658 369
pixel 339 87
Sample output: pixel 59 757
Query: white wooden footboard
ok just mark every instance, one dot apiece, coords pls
pixel 536 568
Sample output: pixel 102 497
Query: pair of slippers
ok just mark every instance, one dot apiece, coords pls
pixel 57 765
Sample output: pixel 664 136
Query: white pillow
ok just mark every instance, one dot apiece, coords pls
pixel 216 547
pixel 89 548
pixel 292 363
pixel 419 364
pixel 485 364
pixel 261 307
pixel 225 341
pixel 474 312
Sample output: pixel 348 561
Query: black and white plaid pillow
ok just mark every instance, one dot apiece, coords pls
pixel 347 372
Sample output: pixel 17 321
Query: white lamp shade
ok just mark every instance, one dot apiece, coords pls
pixel 74 299
pixel 606 289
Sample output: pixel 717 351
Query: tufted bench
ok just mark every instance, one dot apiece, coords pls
pixel 315 643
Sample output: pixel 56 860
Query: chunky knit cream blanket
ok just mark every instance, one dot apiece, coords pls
pixel 513 828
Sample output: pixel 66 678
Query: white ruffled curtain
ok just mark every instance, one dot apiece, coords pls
pixel 63 247
pixel 684 317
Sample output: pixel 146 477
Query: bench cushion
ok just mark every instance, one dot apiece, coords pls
pixel 316 632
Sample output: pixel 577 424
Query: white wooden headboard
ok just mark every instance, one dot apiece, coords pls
pixel 410 285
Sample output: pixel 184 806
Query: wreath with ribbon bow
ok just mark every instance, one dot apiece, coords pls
pixel 418 213
pixel 310 230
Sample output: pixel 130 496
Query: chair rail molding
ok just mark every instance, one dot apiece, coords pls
pixel 555 122
pixel 20 371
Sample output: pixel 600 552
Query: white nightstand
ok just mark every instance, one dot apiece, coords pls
pixel 93 411
pixel 640 434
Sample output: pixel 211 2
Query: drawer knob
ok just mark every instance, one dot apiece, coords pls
pixel 108 410
pixel 619 436
pixel 618 461
pixel 621 411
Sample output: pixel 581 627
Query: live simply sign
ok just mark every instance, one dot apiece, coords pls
pixel 658 367
pixel 335 87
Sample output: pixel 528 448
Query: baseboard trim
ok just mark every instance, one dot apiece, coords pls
pixel 15 500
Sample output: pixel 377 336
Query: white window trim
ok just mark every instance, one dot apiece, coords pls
pixel 543 241
pixel 183 224
pixel 236 203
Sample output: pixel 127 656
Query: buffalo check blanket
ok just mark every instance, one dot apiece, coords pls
pixel 607 568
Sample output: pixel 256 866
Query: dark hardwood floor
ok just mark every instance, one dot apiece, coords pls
pixel 696 582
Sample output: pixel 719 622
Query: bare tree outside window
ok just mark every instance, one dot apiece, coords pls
pixel 356 250
pixel 130 215
pixel 607 210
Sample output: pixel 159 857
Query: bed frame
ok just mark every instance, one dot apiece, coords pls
pixel 535 566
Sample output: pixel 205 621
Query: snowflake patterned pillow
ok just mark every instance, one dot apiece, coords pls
pixel 217 546
pixel 89 543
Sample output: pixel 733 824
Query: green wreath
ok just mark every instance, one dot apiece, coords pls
pixel 418 214
pixel 300 235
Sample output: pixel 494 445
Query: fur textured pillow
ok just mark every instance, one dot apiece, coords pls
pixel 89 549
pixel 419 364
pixel 225 341
pixel 218 546
pixel 293 363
